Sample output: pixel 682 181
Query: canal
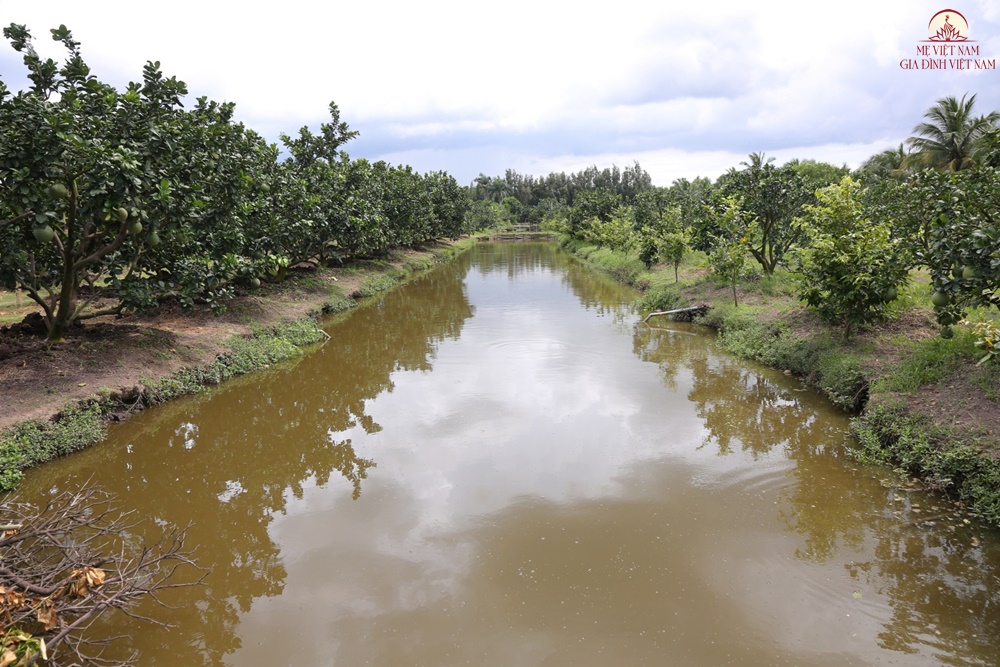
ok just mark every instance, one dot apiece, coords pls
pixel 499 464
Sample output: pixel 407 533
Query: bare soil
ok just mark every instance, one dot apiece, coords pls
pixel 38 380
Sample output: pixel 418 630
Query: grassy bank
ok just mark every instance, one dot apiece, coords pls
pixel 272 337
pixel 920 402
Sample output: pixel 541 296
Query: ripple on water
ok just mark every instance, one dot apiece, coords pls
pixel 739 474
pixel 545 349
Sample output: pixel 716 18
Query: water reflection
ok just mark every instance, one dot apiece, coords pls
pixel 957 611
pixel 931 583
pixel 497 465
pixel 237 457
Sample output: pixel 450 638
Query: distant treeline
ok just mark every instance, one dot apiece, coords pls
pixel 852 237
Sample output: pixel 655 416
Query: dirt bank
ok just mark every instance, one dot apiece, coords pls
pixel 121 356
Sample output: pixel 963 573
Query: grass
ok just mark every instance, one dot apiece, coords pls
pixel 33 442
pixel 376 285
pixel 889 434
pixel 926 362
pixel 873 375
pixel 10 311
pixel 338 302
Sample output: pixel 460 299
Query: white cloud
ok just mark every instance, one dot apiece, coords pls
pixel 462 86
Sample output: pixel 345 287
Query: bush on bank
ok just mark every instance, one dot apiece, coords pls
pixel 889 434
pixel 887 431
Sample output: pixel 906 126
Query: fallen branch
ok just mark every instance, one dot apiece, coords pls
pixel 699 308
pixel 69 562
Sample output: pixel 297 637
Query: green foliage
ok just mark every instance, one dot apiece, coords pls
pixel 770 198
pixel 138 199
pixel 950 224
pixel 665 297
pixel 485 214
pixel 952 137
pixel 32 442
pixel 887 433
pixel 697 201
pixel 987 337
pixel 600 205
pixel 852 263
pixel 513 208
pixel 621 266
pixel 887 164
pixel 552 215
pixel 816 175
pixel 616 232
pixel 729 255
pixel 841 377
pixel 375 285
pixel 672 246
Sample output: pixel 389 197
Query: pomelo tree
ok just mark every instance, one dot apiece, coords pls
pixel 853 265
pixel 75 178
pixel 771 197
pixel 949 221
pixel 119 195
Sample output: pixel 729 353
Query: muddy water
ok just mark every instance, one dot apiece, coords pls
pixel 498 465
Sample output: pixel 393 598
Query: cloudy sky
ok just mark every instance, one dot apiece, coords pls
pixel 544 85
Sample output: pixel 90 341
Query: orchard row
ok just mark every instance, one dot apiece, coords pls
pixel 126 198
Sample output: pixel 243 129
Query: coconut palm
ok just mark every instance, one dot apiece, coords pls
pixel 952 136
pixel 889 163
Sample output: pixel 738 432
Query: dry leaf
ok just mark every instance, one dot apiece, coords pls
pixel 85 579
pixel 8 658
pixel 12 598
pixel 47 615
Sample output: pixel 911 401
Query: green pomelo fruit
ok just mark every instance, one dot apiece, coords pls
pixel 44 234
pixel 134 227
pixel 57 191
pixel 940 299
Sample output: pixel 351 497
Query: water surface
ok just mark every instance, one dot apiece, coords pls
pixel 497 464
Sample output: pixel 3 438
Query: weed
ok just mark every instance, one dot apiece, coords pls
pixel 666 297
pixel 927 362
pixel 375 285
pixel 888 433
pixel 32 442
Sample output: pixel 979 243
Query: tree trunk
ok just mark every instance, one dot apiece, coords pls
pixel 64 312
pixel 67 295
